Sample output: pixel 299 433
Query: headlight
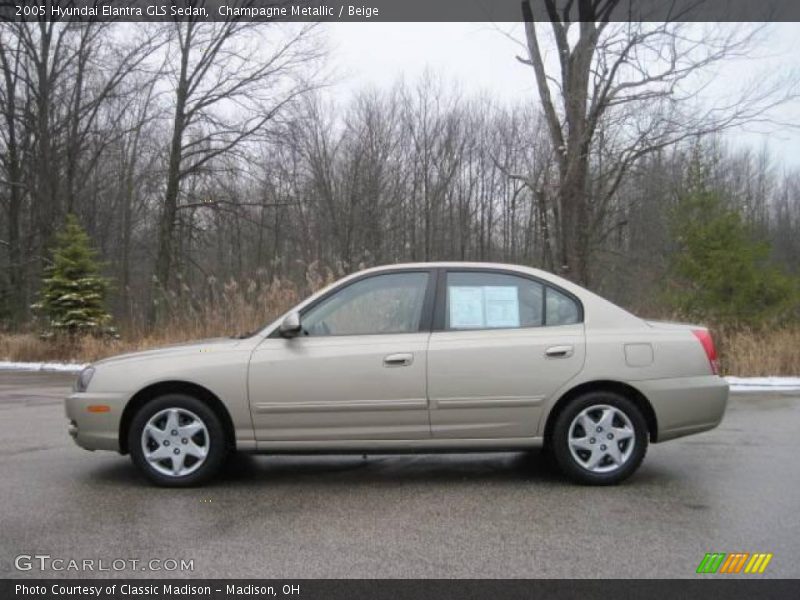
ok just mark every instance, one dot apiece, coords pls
pixel 83 379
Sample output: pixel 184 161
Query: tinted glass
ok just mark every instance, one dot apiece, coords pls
pixel 390 303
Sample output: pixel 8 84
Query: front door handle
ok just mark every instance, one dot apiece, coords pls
pixel 398 360
pixel 559 352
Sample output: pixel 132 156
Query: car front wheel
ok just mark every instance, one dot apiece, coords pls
pixel 600 438
pixel 177 440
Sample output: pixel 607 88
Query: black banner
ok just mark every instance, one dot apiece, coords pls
pixel 397 10
pixel 731 588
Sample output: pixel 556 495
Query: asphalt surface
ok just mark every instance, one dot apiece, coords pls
pixel 735 489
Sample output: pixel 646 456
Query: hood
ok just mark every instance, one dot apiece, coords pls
pixel 175 349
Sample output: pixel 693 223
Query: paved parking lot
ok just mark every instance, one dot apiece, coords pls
pixel 735 489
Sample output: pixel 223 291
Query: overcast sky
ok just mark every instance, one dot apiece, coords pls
pixel 481 58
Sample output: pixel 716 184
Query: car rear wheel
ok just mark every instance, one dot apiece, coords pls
pixel 600 438
pixel 177 440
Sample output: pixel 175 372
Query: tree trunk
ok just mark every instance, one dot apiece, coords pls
pixel 17 306
pixel 169 210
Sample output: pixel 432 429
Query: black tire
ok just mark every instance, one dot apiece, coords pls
pixel 216 444
pixel 571 467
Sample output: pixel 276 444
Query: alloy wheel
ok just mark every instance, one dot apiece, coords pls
pixel 175 442
pixel 601 438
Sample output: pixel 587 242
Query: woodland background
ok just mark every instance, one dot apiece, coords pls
pixel 219 182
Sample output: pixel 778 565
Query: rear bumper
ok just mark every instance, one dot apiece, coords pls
pixel 95 430
pixel 686 405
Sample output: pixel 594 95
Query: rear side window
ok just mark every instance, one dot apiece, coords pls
pixel 560 308
pixel 486 300
pixel 478 300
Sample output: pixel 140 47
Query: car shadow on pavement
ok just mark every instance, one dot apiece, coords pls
pixel 252 471
pixel 257 470
pixel 243 469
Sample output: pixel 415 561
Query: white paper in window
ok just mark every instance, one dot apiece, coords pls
pixel 466 307
pixel 502 306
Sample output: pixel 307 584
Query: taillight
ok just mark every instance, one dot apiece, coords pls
pixel 704 337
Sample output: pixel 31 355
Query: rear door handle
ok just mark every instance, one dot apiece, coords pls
pixel 398 360
pixel 559 352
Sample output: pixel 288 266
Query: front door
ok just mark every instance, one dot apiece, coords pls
pixel 503 343
pixel 356 372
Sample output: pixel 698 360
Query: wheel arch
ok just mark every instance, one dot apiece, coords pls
pixel 155 390
pixel 605 385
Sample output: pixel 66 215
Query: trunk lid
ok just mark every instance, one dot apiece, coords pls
pixel 675 325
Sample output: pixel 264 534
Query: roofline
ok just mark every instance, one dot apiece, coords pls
pixel 454 264
pixel 601 311
pixel 446 264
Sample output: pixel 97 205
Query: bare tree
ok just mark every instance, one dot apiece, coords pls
pixel 620 91
pixel 229 82
pixel 12 159
pixel 246 191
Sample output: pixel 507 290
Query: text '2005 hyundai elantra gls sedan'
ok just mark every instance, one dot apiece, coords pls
pixel 408 358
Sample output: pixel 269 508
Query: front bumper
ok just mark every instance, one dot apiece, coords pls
pixel 686 405
pixel 95 430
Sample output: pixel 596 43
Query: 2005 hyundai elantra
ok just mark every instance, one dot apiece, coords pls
pixel 418 357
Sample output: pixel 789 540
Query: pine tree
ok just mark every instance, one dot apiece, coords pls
pixel 721 271
pixel 73 295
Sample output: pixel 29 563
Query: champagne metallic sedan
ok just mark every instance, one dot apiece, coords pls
pixel 413 358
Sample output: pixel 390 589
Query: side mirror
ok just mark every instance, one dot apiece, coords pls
pixel 290 326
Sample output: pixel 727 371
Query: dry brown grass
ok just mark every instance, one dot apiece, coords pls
pixel 216 310
pixel 744 353
pixel 758 353
pixel 224 309
pixel 28 347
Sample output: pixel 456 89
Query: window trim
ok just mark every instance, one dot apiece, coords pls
pixel 440 307
pixel 425 319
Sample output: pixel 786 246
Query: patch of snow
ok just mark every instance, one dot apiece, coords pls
pixel 764 384
pixel 40 366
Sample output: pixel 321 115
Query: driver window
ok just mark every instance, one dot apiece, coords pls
pixel 390 303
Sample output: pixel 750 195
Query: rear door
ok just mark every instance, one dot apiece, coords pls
pixel 502 343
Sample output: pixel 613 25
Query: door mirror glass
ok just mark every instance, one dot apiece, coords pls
pixel 290 326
